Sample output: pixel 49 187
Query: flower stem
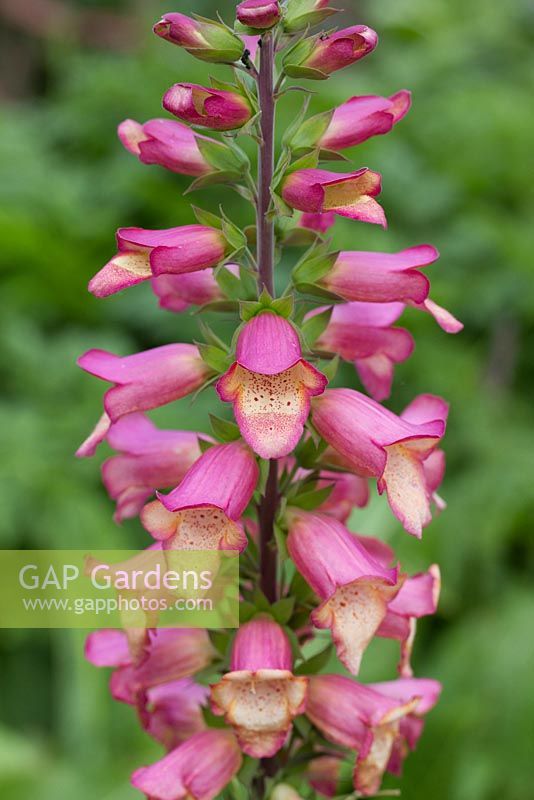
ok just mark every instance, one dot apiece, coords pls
pixel 265 236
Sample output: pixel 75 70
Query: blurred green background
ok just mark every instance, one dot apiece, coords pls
pixel 457 173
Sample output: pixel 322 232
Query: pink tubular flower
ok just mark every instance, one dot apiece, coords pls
pixel 270 385
pixel 174 711
pixel 146 380
pixel 203 512
pixel 386 278
pixel 392 740
pixel 178 292
pixel 418 597
pixel 354 587
pixel 259 14
pixel 165 142
pixel 206 40
pixel 260 696
pixel 149 459
pixel 217 109
pixel 363 333
pixel 318 57
pixel 362 117
pixel 374 719
pixel 171 654
pixel 143 254
pixel 196 770
pixel 324 773
pixel 379 444
pixel 349 194
pixel 317 222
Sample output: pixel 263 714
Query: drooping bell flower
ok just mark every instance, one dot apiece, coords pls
pixel 323 774
pixel 360 118
pixel 379 444
pixel 260 14
pixel 355 589
pixel 363 334
pixel 198 769
pixel 349 194
pixel 146 380
pixel 423 408
pixel 270 385
pixel 338 706
pixel 349 492
pixel 386 278
pixel 206 40
pixel 178 292
pixel 204 511
pixel 410 728
pixel 165 142
pixel 320 56
pixel 143 254
pixel 260 696
pixel 317 222
pixel 418 597
pixel 173 711
pixel 171 654
pixel 301 14
pixel 149 459
pixel 217 109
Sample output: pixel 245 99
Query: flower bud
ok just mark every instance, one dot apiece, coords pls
pixel 204 39
pixel 318 57
pixel 258 14
pixel 217 109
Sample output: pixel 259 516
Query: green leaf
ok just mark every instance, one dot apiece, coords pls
pixel 292 129
pixel 280 539
pixel 229 283
pixel 307 161
pixel 309 133
pixel 329 368
pixel 222 157
pixel 207 218
pixel 249 309
pixel 210 336
pixel 316 663
pixel 246 611
pixel 233 234
pixel 314 326
pixel 211 719
pixel 223 429
pixel 311 268
pixel 213 178
pixel 312 499
pixel 282 610
pixel 215 357
pixel 220 307
pixel 260 601
pixel 283 306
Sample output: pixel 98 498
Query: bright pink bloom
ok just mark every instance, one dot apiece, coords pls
pixel 270 385
pixel 178 292
pixel 392 741
pixel 317 222
pixel 362 117
pixel 174 711
pixel 386 278
pixel 206 40
pixel 354 587
pixel 165 142
pixel 146 380
pixel 196 770
pixel 423 408
pixel 319 57
pixel 374 719
pixel 259 14
pixel 324 773
pixel 417 598
pixel 363 333
pixel 260 696
pixel 349 194
pixel 217 109
pixel 349 492
pixel 379 444
pixel 149 459
pixel 143 254
pixel 171 654
pixel 203 512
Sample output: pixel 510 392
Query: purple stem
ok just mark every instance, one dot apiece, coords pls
pixel 265 234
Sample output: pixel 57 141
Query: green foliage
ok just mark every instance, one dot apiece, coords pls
pixel 455 174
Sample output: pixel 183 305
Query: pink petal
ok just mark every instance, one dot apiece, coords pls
pixel 261 644
pixel 268 344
